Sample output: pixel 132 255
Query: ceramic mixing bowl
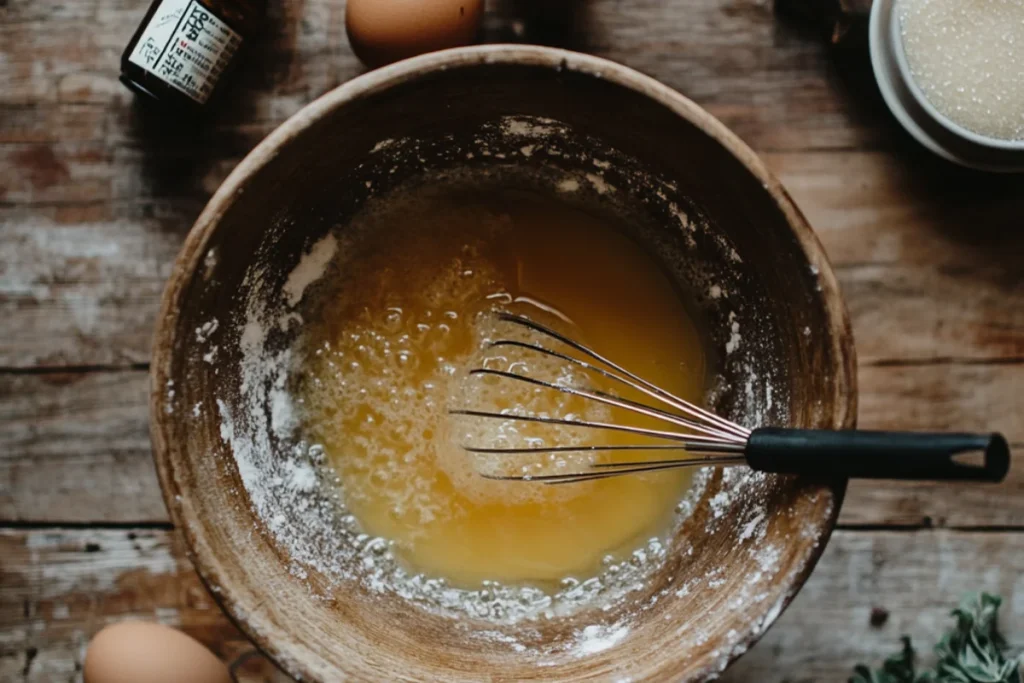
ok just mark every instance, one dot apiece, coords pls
pixel 596 134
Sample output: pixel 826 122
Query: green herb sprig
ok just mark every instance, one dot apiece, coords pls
pixel 973 651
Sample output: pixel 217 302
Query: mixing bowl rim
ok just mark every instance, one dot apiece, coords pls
pixel 277 643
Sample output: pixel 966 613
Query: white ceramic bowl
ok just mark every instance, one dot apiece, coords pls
pixel 918 116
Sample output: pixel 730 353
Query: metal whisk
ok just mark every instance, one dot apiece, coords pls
pixel 706 439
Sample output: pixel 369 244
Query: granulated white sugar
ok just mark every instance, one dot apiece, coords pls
pixel 967 57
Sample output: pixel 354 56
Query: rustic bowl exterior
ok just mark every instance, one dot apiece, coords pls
pixel 333 634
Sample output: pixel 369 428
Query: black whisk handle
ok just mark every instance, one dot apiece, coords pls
pixel 879 455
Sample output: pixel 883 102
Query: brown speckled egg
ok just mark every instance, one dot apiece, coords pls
pixel 384 31
pixel 144 652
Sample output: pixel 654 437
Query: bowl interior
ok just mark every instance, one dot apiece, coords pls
pixel 697 199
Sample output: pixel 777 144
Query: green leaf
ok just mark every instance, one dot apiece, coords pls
pixel 896 669
pixel 973 651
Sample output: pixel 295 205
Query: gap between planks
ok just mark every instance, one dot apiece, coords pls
pixel 61 586
pixel 76 447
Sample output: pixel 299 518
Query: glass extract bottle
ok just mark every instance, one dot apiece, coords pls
pixel 183 48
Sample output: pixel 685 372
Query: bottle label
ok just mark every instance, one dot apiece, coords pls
pixel 186 46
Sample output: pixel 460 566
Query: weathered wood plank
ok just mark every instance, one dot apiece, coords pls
pixel 95 199
pixel 61 586
pixel 82 292
pixel 776 86
pixel 955 397
pixel 917 576
pixel 925 277
pixel 74 447
pixel 928 256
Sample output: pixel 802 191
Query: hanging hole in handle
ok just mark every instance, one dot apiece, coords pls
pixel 974 458
pixel 987 461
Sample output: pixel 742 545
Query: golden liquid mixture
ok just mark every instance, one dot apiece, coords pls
pixel 407 317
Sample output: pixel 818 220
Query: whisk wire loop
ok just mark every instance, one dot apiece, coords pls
pixel 708 441
pixel 719 442
pixel 685 406
pixel 648 410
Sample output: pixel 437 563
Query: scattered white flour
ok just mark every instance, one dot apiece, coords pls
pixel 756 394
pixel 311 268
pixel 282 412
pixel 767 557
pixel 734 334
pixel 750 528
pixel 301 476
pixel 720 504
pixel 209 263
pixel 599 183
pixel 204 331
pixel 533 127
pixel 681 216
pixel 568 185
pixel 595 638
pixel 715 292
pixel 500 637
pixel 211 355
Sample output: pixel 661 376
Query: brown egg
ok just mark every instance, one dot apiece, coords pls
pixel 384 31
pixel 143 652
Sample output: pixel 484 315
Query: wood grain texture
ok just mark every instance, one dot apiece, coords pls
pixel 914 575
pixel 924 280
pixel 60 586
pixel 928 256
pixel 96 197
pixel 75 446
pixel 762 77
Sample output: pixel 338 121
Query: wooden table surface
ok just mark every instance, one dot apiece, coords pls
pixel 95 200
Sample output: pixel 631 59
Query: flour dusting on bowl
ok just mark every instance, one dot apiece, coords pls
pixel 292 490
pixel 273 531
